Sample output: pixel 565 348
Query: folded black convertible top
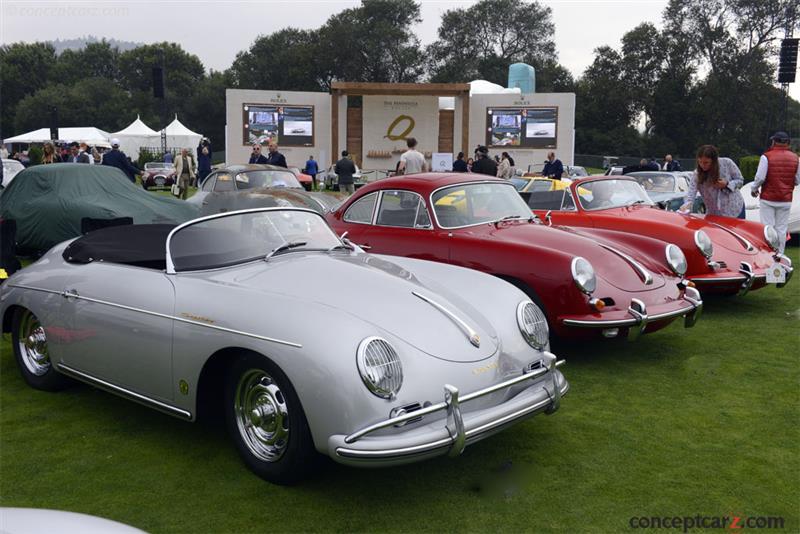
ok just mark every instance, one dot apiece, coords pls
pixel 142 245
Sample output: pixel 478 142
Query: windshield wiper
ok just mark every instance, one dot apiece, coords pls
pixel 637 202
pixel 507 218
pixel 346 246
pixel 286 246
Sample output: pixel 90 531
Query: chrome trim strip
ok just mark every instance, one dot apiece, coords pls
pixel 72 295
pixel 719 279
pixel 742 240
pixel 143 399
pixel 472 335
pixel 643 273
pixel 355 436
pixel 171 265
pixel 470 435
pixel 42 290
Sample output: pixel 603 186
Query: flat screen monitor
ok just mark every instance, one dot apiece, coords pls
pixel 285 125
pixel 528 127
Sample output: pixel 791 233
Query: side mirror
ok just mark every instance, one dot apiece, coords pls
pixel 548 219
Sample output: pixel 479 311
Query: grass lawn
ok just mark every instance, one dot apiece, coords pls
pixel 682 422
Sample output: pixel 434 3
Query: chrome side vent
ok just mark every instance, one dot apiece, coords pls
pixel 722 265
pixel 402 410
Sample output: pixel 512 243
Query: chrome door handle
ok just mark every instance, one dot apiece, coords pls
pixel 70 293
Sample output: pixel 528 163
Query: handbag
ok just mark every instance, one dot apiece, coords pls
pixel 176 190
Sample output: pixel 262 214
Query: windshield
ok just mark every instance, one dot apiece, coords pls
pixel 602 194
pixel 241 237
pixel 157 165
pixel 656 183
pixel 470 204
pixel 261 179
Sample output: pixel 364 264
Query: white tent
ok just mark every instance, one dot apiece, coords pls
pixel 136 135
pixel 179 136
pixel 87 134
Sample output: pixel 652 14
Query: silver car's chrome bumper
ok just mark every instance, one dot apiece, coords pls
pixel 639 318
pixel 458 430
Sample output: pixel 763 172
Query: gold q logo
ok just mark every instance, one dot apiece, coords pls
pixel 395 123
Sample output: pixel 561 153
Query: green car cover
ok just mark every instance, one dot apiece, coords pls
pixel 49 201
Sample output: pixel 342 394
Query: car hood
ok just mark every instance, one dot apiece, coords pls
pixel 645 217
pixel 608 264
pixel 378 292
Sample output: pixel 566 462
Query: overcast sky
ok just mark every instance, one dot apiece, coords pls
pixel 216 30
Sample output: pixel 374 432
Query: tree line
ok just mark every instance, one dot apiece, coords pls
pixel 704 74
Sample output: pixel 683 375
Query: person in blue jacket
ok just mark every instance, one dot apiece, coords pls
pixel 312 169
pixel 117 158
pixel 553 168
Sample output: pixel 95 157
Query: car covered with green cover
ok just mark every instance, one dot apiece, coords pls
pixel 49 203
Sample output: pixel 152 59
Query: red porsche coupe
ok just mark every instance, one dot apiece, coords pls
pixel 586 286
pixel 725 255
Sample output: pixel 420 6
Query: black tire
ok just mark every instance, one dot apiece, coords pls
pixel 30 350
pixel 275 443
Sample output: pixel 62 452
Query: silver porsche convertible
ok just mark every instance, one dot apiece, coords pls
pixel 305 342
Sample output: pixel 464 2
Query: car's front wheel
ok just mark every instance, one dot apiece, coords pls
pixel 29 339
pixel 266 421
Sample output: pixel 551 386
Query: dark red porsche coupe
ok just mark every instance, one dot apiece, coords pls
pixel 587 285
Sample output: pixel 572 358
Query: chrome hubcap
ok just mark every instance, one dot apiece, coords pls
pixel 262 415
pixel 33 345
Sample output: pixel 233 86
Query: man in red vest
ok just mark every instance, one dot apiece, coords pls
pixel 779 173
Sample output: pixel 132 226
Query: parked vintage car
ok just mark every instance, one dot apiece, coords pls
pixel 668 189
pixel 533 182
pixel 11 168
pixel 158 174
pixel 239 187
pixel 587 286
pixel 752 209
pixel 330 180
pixel 306 180
pixel 238 311
pixel 50 202
pixel 725 255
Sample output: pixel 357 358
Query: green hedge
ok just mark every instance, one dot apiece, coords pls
pixel 748 165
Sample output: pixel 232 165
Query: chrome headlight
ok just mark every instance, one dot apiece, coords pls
pixel 676 260
pixel 583 274
pixel 532 324
pixel 379 367
pixel 703 242
pixel 772 237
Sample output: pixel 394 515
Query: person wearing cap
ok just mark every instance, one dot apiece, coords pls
pixel 345 169
pixel 116 158
pixel 777 175
pixel 76 155
pixel 483 163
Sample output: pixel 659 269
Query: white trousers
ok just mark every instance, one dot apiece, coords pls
pixel 776 214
